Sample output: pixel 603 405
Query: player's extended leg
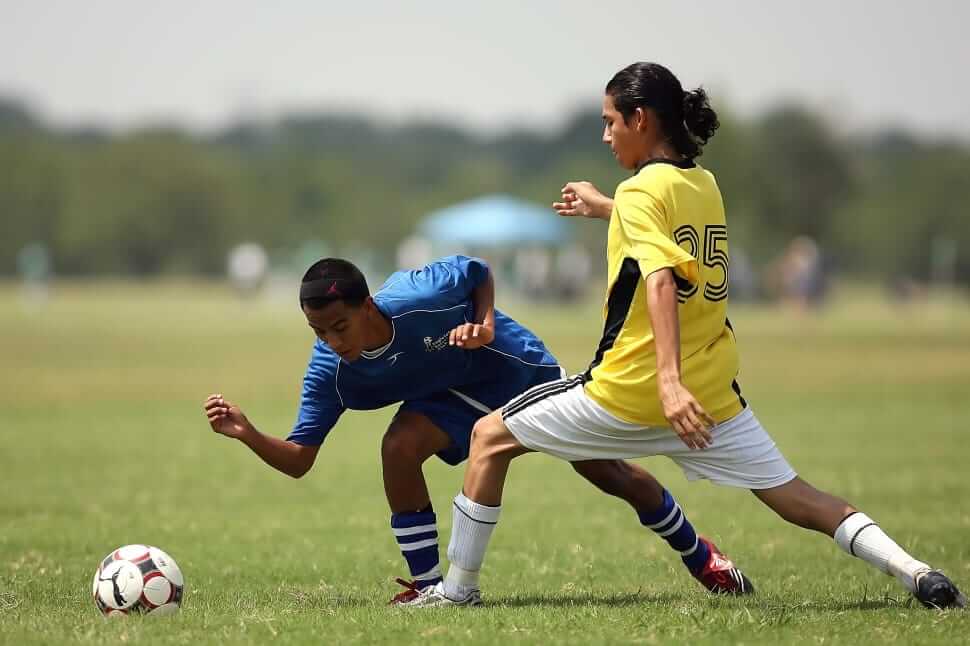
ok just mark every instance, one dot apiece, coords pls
pixel 409 441
pixel 802 504
pixel 659 512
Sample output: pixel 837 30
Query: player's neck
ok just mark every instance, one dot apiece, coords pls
pixel 662 150
pixel 380 331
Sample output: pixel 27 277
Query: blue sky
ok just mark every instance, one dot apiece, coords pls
pixel 485 65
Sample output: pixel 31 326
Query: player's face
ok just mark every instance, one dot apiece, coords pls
pixel 626 138
pixel 340 326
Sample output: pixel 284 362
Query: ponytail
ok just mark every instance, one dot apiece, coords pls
pixel 685 117
pixel 700 120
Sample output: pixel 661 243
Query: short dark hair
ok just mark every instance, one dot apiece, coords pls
pixel 685 117
pixel 330 280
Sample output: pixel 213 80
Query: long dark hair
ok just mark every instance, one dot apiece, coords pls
pixel 685 117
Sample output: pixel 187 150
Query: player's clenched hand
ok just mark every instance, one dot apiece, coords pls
pixel 686 415
pixel 471 336
pixel 583 199
pixel 225 417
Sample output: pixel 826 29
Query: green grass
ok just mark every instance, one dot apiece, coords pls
pixel 102 443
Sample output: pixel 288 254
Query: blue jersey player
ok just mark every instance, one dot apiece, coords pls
pixel 432 339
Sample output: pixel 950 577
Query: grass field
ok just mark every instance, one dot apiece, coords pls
pixel 102 443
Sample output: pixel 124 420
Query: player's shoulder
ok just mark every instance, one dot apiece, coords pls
pixel 324 362
pixel 430 287
pixel 658 173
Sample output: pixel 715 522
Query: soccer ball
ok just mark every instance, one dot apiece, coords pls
pixel 138 578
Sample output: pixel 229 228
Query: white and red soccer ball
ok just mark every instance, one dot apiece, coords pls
pixel 138 578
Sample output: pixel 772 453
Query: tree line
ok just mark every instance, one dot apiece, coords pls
pixel 163 200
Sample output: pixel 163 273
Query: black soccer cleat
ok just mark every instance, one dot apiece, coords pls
pixel 935 590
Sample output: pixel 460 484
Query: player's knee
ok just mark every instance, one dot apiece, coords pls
pixel 486 434
pixel 401 447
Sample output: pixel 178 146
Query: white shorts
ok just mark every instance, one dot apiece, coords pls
pixel 559 418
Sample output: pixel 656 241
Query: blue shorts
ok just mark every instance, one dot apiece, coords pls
pixel 456 416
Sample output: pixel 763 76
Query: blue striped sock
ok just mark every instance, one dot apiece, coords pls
pixel 417 536
pixel 670 523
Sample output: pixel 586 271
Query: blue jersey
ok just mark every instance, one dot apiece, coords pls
pixel 418 366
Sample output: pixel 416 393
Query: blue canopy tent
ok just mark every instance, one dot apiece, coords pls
pixel 495 221
pixel 519 239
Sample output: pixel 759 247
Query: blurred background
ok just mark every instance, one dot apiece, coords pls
pixel 169 169
pixel 203 140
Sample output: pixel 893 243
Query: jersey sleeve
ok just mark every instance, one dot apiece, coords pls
pixel 320 404
pixel 648 234
pixel 451 280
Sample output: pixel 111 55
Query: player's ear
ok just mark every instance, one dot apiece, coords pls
pixel 640 118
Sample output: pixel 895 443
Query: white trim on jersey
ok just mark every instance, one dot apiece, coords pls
pixel 474 403
pixel 512 356
pixel 446 309
pixel 336 387
pixel 376 354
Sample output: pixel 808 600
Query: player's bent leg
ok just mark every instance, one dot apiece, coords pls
pixel 623 480
pixel 475 513
pixel 659 512
pixel 854 532
pixel 409 441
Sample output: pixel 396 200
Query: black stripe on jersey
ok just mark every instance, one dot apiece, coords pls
pixel 737 390
pixel 617 309
pixel 735 386
pixel 683 163
pixel 535 397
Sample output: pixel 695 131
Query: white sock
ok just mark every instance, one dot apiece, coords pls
pixel 860 536
pixel 471 530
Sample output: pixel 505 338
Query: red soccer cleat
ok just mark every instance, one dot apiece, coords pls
pixel 719 574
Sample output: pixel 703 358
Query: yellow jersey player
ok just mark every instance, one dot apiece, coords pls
pixel 663 378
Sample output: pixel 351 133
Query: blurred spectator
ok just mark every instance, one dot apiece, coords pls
pixel 743 280
pixel 34 267
pixel 247 266
pixel 532 268
pixel 799 276
pixel 573 271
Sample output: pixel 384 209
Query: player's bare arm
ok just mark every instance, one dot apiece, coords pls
pixel 481 331
pixel 584 200
pixel 686 415
pixel 287 457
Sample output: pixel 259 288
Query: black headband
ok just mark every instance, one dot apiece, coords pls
pixel 331 288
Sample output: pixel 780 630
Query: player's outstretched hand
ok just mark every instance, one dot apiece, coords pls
pixel 225 417
pixel 471 336
pixel 686 415
pixel 585 200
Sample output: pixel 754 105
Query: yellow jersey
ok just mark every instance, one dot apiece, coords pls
pixel 669 214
